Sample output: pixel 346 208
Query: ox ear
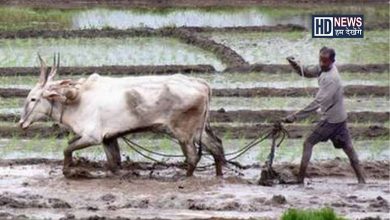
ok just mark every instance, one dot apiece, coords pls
pixel 51 94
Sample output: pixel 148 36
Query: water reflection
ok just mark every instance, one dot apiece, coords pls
pixel 100 18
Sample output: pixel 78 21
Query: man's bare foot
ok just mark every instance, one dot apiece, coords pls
pixel 293 181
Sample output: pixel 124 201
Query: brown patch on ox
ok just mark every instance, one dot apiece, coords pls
pixel 182 123
pixel 186 127
pixel 133 100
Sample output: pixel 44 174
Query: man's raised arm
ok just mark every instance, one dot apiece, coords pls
pixel 307 71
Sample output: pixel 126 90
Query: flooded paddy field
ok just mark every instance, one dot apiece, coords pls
pixel 104 51
pixel 258 47
pixel 228 79
pixel 265 47
pixel 52 148
pixel 354 104
pixel 38 18
pixel 226 46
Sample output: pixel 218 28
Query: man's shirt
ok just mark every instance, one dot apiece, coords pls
pixel 330 96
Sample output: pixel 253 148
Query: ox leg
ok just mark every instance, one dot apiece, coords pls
pixel 214 146
pixel 80 143
pixel 111 148
pixel 192 157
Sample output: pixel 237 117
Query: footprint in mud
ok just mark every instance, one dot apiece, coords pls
pixel 6 215
pixel 137 203
pixel 379 205
pixel 25 200
pixel 108 197
pixel 277 200
pixel 82 173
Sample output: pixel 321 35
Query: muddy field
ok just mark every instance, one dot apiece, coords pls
pixel 357 90
pixel 241 52
pixel 147 191
pixel 185 69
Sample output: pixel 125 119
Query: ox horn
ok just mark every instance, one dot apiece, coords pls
pixel 43 75
pixel 55 67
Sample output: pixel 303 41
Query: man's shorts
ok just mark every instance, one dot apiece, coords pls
pixel 338 133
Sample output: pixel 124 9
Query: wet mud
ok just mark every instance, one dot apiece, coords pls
pixel 113 70
pixel 227 55
pixel 138 32
pixel 351 90
pixel 282 68
pixel 32 188
pixel 186 69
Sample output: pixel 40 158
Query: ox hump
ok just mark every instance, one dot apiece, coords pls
pixel 94 77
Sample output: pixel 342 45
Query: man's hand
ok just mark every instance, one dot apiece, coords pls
pixel 291 60
pixel 289 119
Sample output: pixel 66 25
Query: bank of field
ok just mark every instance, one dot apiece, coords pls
pixel 244 62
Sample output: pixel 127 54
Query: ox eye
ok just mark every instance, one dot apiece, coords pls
pixel 33 99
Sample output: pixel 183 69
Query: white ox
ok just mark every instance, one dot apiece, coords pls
pixel 101 109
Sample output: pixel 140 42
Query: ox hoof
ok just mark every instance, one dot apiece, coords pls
pixel 76 173
pixel 115 172
pixel 114 169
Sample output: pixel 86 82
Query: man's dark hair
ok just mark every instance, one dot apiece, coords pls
pixel 330 52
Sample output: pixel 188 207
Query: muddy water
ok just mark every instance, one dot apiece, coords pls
pixel 274 80
pixel 253 47
pixel 104 51
pixel 40 190
pixel 290 151
pixel 212 17
pixel 123 19
pixel 296 103
pixel 275 47
pixel 100 17
pixel 232 80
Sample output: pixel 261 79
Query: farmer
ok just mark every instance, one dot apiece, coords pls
pixel 329 99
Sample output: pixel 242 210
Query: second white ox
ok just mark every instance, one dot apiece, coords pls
pixel 101 109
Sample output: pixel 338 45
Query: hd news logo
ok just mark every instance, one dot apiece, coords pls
pixel 337 26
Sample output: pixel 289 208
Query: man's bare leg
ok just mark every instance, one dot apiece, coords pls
pixel 306 155
pixel 354 160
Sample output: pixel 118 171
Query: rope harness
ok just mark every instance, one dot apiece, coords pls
pixel 277 133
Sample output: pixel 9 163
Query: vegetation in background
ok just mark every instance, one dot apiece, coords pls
pixel 320 214
pixel 16 18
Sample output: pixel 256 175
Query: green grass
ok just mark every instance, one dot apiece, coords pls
pixel 311 214
pixel 16 18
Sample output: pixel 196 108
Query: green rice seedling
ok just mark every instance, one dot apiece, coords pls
pixel 320 214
